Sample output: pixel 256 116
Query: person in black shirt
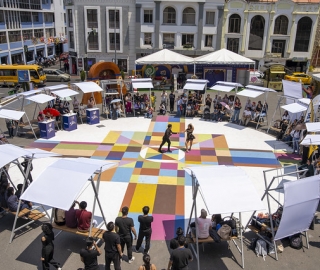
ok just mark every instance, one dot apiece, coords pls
pixel 171 99
pixel 174 241
pixel 180 257
pixel 124 227
pixel 89 256
pixel 166 138
pixel 112 247
pixel 145 229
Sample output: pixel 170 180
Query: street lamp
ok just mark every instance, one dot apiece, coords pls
pixel 86 50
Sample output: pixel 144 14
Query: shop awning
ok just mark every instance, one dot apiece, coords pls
pixel 195 85
pixel 142 83
pixel 41 98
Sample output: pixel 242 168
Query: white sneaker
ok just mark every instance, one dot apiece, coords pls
pixel 59 268
pixel 131 260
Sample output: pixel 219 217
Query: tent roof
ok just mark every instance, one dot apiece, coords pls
pixel 193 84
pixel 222 88
pixel 242 197
pixel 165 56
pixel 259 88
pixel 9 153
pixel 250 93
pixel 234 84
pixel 41 98
pixel 56 87
pixel 65 177
pixel 311 140
pixel 65 93
pixel 223 56
pixel 11 114
pixel 142 83
pixel 31 92
pixel 311 127
pixel 294 108
pixel 316 76
pixel 88 87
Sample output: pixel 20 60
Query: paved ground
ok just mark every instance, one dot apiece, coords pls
pixel 24 252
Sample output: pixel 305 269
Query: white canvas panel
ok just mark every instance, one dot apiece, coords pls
pixel 10 114
pixel 65 177
pixel 304 101
pixel 39 153
pixel 41 98
pixel 250 93
pixel 88 87
pixel 300 197
pixel 31 92
pixel 259 88
pixel 294 108
pixel 56 87
pixel 316 76
pixel 242 196
pixel 142 83
pixel 165 56
pixel 65 93
pixel 222 88
pixel 311 140
pixel 230 84
pixel 195 84
pixel 311 127
pixel 292 89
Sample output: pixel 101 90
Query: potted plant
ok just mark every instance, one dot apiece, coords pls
pixel 82 75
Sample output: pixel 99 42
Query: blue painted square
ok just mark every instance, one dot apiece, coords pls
pixel 122 175
pixel 174 119
pixel 147 138
pixel 187 180
pixel 131 154
pixel 127 134
pixel 139 164
pixel 160 127
pixel 166 172
pixel 148 179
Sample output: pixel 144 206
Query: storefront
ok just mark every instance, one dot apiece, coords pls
pixel 297 64
pixel 73 62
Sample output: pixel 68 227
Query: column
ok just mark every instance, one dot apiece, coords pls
pixel 157 25
pixel 200 27
pixel 219 28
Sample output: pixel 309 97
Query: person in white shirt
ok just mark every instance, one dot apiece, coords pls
pixel 204 225
pixel 246 116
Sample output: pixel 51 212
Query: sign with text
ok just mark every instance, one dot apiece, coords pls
pixel 23 76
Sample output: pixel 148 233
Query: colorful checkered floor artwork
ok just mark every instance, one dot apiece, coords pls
pixel 155 179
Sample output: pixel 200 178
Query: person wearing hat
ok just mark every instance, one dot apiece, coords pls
pixel 166 138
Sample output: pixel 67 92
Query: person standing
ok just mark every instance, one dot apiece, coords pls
pixel 25 164
pixel 180 257
pixel 10 126
pixel 48 248
pixel 112 247
pixel 179 105
pixel 125 228
pixel 190 137
pixel 166 138
pixel 145 229
pixel 146 263
pixel 89 256
pixel 171 99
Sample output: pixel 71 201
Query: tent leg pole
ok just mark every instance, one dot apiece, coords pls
pixel 95 198
pixel 307 239
pixel 34 134
pixel 241 240
pixel 98 201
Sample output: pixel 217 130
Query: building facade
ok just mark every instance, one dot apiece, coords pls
pixel 30 29
pixel 281 31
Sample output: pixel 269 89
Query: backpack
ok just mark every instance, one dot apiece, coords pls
pixel 261 248
pixel 224 232
pixel 214 235
pixel 296 241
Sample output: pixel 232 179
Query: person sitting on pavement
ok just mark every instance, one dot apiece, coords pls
pixel 162 109
pixel 206 113
pixel 40 117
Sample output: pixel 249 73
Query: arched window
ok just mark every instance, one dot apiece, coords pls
pixel 256 33
pixel 303 35
pixel 169 15
pixel 189 16
pixel 281 25
pixel 234 23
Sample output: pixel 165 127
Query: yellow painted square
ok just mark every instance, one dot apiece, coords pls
pixel 223 153
pixel 134 178
pixel 167 180
pixel 144 195
pixel 209 158
pixel 112 137
pixel 175 126
pixel 129 165
pixel 180 181
pixel 119 148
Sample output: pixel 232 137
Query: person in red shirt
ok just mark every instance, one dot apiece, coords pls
pixel 84 217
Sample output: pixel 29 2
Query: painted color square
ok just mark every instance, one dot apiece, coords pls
pixel 147 179
pixel 133 149
pixel 115 156
pixel 139 164
pixel 181 173
pixel 131 155
pixel 169 166
pixel 122 175
pixel 211 152
pixel 165 172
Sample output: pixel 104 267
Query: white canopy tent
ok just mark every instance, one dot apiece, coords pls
pixel 64 93
pixel 56 87
pixel 242 198
pixel 13 115
pixel 311 139
pixel 67 177
pixel 313 127
pixel 222 86
pixel 90 87
pixel 142 83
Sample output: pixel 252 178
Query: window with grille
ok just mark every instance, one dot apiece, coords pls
pixel 70 18
pixel 188 16
pixel 35 4
pixel 25 16
pixel 281 25
pixel 23 4
pixel 256 33
pixel 114 19
pixel 48 17
pixel 278 46
pixel 93 41
pixel 187 39
pixel 208 41
pixel 122 64
pixel 234 23
pixel 50 50
pixel 14 36
pixel 303 35
pixel 1 16
pixel 168 40
pixel 233 45
pixel 114 45
pixel 3 37
pixel 92 18
pixel 147 16
pixel 50 32
pixel 169 15
pixel 35 17
pixel 38 33
pixel 27 34
pixel 147 38
pixel 71 39
pixel 210 16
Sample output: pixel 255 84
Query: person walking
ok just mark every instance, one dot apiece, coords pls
pixel 112 247
pixel 145 229
pixel 125 228
pixel 166 138
pixel 89 255
pixel 180 257
pixel 10 126
pixel 171 100
pixel 48 248
pixel 146 263
pixel 190 137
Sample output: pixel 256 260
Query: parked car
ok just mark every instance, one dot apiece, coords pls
pixel 297 76
pixel 56 75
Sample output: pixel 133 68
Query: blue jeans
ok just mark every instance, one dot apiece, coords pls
pixel 296 145
pixel 235 116
pixel 178 110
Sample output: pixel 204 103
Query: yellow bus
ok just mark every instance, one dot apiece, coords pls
pixel 9 74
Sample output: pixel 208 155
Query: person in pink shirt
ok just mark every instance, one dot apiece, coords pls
pixel 203 225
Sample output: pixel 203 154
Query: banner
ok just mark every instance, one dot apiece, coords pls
pixel 292 89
